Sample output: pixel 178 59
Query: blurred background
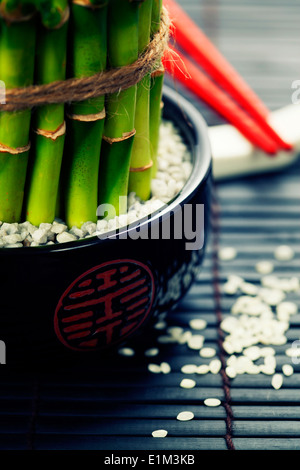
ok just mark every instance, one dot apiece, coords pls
pixel 261 40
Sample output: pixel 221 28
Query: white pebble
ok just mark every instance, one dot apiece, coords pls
pixel 161 325
pixel 230 288
pixel 207 352
pixel 288 308
pixel 267 370
pixel 126 352
pixel 253 352
pixel 288 370
pixel 264 267
pixel 198 324
pixel 175 331
pixel 159 433
pixel 65 237
pixel 227 253
pixel 249 289
pixel 277 381
pixel 151 352
pixel 185 337
pixel 195 342
pixel 264 352
pixel 293 352
pixel 185 416
pixel 284 253
pixel 165 339
pixel 58 228
pixel 230 372
pixel 203 369
pixel 40 236
pixel 187 383
pixel 154 368
pixel 271 297
pixel 215 366
pixel 189 369
pixel 165 368
pixel 212 402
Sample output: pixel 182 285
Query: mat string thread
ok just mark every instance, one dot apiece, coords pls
pixel 218 311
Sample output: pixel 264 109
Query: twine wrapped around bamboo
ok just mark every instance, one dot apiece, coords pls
pixel 108 82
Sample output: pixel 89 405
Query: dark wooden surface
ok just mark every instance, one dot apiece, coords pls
pixel 117 403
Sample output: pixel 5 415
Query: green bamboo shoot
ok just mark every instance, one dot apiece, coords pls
pixel 17 54
pixel 46 157
pixel 88 55
pixel 157 81
pixel 120 107
pixel 141 161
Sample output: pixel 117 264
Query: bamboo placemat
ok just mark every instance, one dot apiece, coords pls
pixel 116 402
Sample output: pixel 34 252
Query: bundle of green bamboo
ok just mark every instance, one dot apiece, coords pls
pixel 64 160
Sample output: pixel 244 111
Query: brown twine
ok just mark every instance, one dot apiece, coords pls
pixel 108 82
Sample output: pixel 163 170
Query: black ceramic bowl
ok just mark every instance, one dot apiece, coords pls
pixel 63 301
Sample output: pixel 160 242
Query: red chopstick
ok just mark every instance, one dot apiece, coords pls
pixel 192 40
pixel 179 66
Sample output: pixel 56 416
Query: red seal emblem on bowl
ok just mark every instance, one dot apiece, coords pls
pixel 104 305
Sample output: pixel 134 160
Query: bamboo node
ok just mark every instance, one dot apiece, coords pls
pixel 125 136
pixel 53 135
pixel 16 16
pixel 14 151
pixel 64 19
pixel 142 168
pixel 87 117
pixel 88 4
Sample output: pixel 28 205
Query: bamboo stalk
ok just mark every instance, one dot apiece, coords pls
pixel 88 55
pixel 17 53
pixel 46 159
pixel 141 161
pixel 157 81
pixel 119 125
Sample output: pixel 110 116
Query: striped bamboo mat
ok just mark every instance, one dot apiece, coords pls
pixel 116 402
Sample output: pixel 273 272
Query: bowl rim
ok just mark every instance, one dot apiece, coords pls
pixel 202 163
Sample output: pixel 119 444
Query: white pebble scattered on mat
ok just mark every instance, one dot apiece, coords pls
pixel 189 369
pixel 284 253
pixel 185 416
pixel 203 369
pixel 227 253
pixel 165 368
pixel 207 352
pixel 264 267
pixel 215 366
pixel 126 352
pixel 159 433
pixel 277 381
pixel 154 368
pixel 151 352
pixel 198 324
pixel 187 383
pixel 288 370
pixel 212 402
pixel 195 342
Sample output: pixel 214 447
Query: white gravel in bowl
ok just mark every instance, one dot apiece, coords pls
pixel 174 169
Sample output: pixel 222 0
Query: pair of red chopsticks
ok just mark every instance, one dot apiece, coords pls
pixel 247 113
